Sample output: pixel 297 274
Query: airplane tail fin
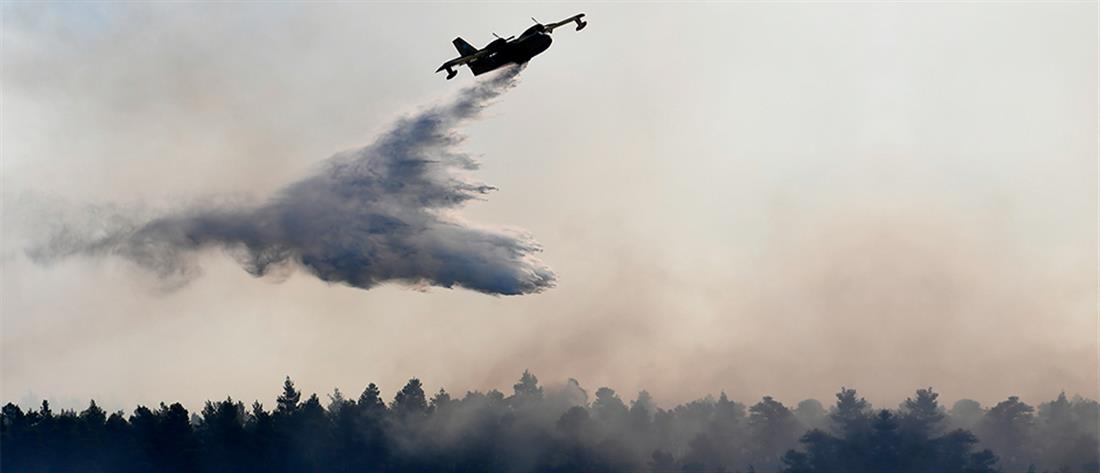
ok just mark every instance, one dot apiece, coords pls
pixel 463 47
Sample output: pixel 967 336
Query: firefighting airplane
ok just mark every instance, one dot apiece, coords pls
pixel 503 51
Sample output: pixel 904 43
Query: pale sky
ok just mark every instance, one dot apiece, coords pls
pixel 766 199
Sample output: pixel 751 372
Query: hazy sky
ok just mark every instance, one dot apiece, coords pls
pixel 763 199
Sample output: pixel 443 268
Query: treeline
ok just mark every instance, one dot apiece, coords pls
pixel 559 429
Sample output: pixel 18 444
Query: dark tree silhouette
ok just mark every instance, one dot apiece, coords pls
pixel 1066 434
pixel 553 429
pixel 811 414
pixel 906 441
pixel 609 408
pixel 410 400
pixel 965 413
pixel 527 390
pixel 1007 428
pixel 287 402
pixel 774 430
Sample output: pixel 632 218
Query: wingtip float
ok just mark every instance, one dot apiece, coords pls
pixel 504 51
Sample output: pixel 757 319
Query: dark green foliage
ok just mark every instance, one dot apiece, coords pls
pixel 811 414
pixel 1008 428
pixel 911 440
pixel 553 429
pixel 287 402
pixel 965 413
pixel 773 430
pixel 527 390
pixel 410 400
pixel 1066 433
pixel 609 408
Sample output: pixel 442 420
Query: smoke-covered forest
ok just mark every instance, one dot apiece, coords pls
pixel 560 429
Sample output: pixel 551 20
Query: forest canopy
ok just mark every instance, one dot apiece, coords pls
pixel 560 429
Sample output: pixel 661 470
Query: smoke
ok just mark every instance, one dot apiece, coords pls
pixel 385 212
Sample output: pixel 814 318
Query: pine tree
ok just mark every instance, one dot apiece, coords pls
pixel 527 389
pixel 410 400
pixel 851 415
pixel 1007 429
pixel 287 402
pixel 370 402
pixel 922 416
pixel 641 412
pixel 609 408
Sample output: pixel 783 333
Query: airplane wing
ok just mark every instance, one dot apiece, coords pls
pixel 575 18
pixel 463 60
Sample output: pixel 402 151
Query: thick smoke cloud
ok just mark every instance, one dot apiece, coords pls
pixel 381 213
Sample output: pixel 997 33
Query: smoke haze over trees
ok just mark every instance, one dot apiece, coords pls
pixel 882 196
pixel 558 429
pixel 822 202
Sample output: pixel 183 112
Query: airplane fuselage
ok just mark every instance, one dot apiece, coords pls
pixel 504 52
